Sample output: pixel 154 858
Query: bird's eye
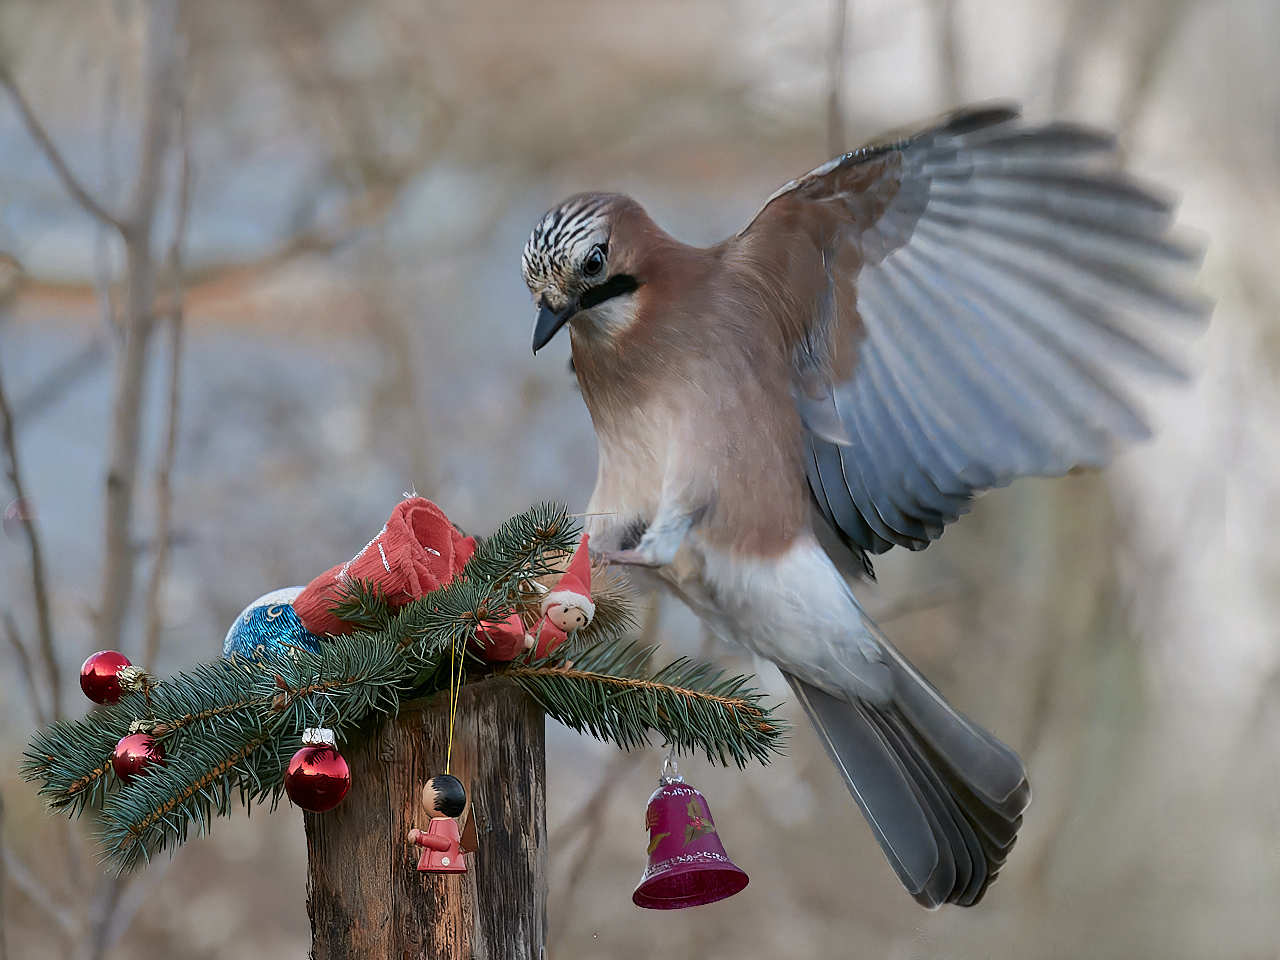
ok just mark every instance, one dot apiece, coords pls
pixel 594 262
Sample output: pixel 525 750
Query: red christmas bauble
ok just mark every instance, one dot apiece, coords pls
pixel 135 754
pixel 98 676
pixel 318 778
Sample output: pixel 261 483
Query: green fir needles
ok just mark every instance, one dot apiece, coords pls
pixel 607 691
pixel 229 728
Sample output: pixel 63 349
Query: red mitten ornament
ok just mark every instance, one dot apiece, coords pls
pixel 417 551
pixel 568 607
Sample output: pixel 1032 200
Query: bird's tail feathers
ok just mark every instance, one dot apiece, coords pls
pixel 943 797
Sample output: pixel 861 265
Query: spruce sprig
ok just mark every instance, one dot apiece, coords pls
pixel 607 691
pixel 230 727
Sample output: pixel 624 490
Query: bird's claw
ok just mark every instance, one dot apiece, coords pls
pixel 629 558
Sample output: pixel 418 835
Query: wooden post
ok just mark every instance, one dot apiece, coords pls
pixel 366 898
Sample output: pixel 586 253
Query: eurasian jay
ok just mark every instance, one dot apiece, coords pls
pixel 902 328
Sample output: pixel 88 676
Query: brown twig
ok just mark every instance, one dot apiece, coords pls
pixel 24 663
pixel 17 873
pixel 162 86
pixel 102 910
pixel 944 12
pixel 4 951
pixel 591 819
pixel 51 153
pixel 835 79
pixel 171 726
pixel 732 704
pixel 39 581
pixel 163 488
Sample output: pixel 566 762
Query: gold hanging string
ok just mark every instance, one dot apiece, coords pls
pixel 455 690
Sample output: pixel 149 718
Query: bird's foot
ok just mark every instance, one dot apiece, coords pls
pixel 630 558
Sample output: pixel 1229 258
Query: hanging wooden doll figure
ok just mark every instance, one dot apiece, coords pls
pixel 443 798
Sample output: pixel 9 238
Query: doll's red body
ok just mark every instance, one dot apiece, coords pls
pixel 441 853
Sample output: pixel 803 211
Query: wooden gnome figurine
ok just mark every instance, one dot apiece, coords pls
pixel 444 799
pixel 568 606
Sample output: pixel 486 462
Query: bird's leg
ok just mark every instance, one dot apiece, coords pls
pixel 661 541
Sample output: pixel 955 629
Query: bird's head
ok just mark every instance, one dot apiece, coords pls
pixel 577 265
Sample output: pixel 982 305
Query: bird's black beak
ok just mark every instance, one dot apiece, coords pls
pixel 550 321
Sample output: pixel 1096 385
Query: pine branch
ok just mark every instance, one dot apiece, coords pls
pixel 608 693
pixel 229 728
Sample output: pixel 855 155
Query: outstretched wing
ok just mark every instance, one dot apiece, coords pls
pixel 962 307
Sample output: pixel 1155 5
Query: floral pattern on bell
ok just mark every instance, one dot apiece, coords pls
pixel 269 625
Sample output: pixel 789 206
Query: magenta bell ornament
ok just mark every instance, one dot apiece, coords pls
pixel 687 864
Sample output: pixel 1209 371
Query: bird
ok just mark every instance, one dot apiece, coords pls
pixel 890 335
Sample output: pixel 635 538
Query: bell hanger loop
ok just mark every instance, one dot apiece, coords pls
pixel 670 772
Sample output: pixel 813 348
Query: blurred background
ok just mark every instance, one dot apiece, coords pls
pixel 325 201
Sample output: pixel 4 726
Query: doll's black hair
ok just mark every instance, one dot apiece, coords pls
pixel 451 799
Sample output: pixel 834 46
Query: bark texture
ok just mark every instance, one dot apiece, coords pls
pixel 366 898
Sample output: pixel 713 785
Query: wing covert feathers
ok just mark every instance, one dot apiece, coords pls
pixel 985 293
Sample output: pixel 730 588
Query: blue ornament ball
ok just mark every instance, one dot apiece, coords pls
pixel 269 625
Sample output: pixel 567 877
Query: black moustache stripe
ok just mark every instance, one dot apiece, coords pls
pixel 613 287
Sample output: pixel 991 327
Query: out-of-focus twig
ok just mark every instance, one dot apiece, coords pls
pixel 835 79
pixel 915 602
pixel 39 582
pixel 161 70
pixel 51 153
pixel 1087 20
pixel 103 261
pixel 163 487
pixel 133 899
pixel 591 819
pixel 14 636
pixel 945 15
pixel 102 912
pixel 59 381
pixel 1160 29
pixel 4 951
pixel 17 873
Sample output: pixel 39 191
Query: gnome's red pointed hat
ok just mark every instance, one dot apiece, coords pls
pixel 574 587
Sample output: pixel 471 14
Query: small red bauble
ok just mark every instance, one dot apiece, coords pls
pixel 135 754
pixel 318 778
pixel 98 676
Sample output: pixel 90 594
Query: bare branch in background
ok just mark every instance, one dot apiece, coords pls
pixel 945 17
pixel 591 819
pixel 4 950
pixel 58 382
pixel 835 79
pixel 1087 20
pixel 163 489
pixel 102 911
pixel 135 896
pixel 163 57
pixel 1157 33
pixel 39 581
pixel 103 261
pixel 916 602
pixel 14 637
pixel 52 154
pixel 17 873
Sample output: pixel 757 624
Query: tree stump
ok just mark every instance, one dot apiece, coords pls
pixel 365 896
